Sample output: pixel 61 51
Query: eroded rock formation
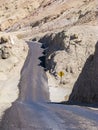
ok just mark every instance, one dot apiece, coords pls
pixel 68 51
pixel 86 87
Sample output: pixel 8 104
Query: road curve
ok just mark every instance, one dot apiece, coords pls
pixel 33 110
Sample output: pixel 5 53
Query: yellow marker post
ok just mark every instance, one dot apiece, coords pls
pixel 61 74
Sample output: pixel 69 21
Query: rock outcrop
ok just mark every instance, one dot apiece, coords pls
pixel 5 48
pixel 86 87
pixel 67 52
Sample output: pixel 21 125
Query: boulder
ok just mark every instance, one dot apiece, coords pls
pixel 3 39
pixel 5 52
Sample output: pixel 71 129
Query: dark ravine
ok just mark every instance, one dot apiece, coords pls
pixel 33 110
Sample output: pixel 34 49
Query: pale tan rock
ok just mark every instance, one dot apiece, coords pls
pixel 10 69
pixel 69 52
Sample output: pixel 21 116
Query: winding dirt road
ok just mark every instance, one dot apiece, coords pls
pixel 33 110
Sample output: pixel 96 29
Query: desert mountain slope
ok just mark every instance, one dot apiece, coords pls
pixel 13 11
pixel 48 15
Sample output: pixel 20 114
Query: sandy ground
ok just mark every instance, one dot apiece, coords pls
pixel 57 94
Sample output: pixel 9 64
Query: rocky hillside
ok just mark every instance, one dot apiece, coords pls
pixel 68 51
pixel 13 11
pixel 48 15
pixel 68 28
